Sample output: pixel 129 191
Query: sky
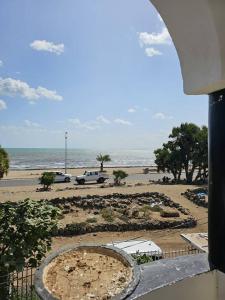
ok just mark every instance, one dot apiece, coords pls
pixel 105 71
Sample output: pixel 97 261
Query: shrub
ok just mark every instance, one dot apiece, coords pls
pixel 26 229
pixel 146 209
pixel 92 220
pixel 156 208
pixel 142 258
pixel 169 213
pixel 47 179
pixel 118 176
pixel 107 214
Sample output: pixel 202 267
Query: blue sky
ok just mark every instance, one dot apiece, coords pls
pixel 105 71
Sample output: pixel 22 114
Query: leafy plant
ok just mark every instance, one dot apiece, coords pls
pixel 146 209
pixel 103 158
pixel 25 235
pixel 4 162
pixel 142 258
pixel 155 208
pixel 47 179
pixel 92 220
pixel 108 215
pixel 118 176
pixel 169 213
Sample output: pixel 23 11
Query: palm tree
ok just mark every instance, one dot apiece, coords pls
pixel 4 162
pixel 103 158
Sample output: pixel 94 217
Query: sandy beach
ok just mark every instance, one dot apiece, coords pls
pixel 167 239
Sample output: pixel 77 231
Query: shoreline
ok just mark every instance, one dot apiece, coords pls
pixel 83 167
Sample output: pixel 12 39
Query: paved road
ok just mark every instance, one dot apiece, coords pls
pixel 35 181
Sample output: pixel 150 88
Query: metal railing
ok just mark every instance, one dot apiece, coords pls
pixel 20 285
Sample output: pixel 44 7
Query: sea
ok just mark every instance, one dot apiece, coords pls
pixel 52 158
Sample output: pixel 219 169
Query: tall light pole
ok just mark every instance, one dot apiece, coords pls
pixel 66 137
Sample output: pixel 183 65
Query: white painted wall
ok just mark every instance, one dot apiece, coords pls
pixel 197 28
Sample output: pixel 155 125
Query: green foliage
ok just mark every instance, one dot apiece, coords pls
pixel 4 162
pixel 118 176
pixel 92 220
pixel 169 213
pixel 25 233
pixel 108 214
pixel 146 209
pixel 47 179
pixel 142 258
pixel 186 150
pixel 156 208
pixel 103 158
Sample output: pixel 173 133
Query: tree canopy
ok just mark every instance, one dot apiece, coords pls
pixel 47 179
pixel 103 158
pixel 187 149
pixel 4 162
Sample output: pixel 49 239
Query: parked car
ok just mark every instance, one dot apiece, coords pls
pixel 89 176
pixel 62 177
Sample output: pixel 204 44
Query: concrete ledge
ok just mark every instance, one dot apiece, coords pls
pixel 166 272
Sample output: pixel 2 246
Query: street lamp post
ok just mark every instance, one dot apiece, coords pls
pixel 66 137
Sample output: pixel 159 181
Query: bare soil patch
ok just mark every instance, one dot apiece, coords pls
pixel 87 274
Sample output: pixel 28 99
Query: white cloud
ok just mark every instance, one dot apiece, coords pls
pixel 13 87
pixel 86 125
pixel 32 124
pixel 152 52
pixel 159 17
pixel 102 119
pixel 43 45
pixel 161 116
pixel 2 105
pixel 122 122
pixel 131 110
pixel 1 63
pixel 162 38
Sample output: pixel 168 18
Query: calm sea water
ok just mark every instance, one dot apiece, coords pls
pixel 40 158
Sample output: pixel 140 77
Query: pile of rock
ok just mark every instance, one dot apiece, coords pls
pixel 198 196
pixel 82 228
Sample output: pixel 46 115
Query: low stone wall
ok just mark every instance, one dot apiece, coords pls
pixel 123 202
pixel 193 196
pixel 82 228
pixel 116 200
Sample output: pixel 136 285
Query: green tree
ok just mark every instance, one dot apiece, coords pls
pixel 4 162
pixel 103 158
pixel 168 159
pixel 47 179
pixel 201 155
pixel 118 176
pixel 25 236
pixel 187 149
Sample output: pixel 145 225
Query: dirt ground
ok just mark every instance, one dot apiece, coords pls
pixel 85 274
pixel 167 239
